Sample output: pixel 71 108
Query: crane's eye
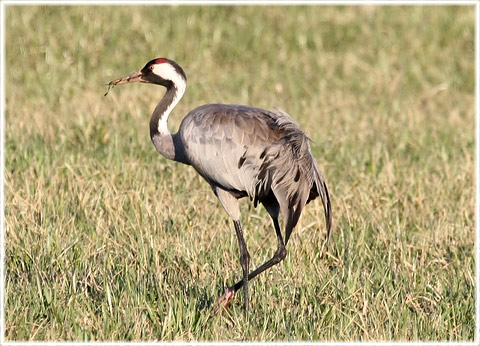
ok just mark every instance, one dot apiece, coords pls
pixel 151 67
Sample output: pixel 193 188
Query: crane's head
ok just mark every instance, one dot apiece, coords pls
pixel 160 71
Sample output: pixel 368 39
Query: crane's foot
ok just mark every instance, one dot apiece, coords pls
pixel 224 301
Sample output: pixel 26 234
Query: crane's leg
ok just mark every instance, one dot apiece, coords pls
pixel 230 204
pixel 244 261
pixel 278 256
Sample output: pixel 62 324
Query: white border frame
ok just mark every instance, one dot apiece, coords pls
pixel 2 173
pixel 5 3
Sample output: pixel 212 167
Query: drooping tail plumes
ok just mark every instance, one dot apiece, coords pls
pixel 293 174
pixel 322 191
pixel 301 145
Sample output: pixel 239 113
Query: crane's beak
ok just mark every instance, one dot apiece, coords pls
pixel 131 78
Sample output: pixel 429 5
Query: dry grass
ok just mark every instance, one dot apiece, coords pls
pixel 105 240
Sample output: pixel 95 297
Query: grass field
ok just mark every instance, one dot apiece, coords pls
pixel 107 240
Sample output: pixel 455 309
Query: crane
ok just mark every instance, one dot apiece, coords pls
pixel 241 151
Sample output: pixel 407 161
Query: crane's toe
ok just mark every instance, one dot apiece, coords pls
pixel 224 301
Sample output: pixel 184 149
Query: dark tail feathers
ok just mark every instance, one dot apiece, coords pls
pixel 322 191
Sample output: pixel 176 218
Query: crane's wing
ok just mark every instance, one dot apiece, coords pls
pixel 227 144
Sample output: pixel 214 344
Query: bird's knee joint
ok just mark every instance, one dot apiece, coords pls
pixel 281 253
pixel 245 258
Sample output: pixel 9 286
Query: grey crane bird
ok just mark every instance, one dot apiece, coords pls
pixel 240 151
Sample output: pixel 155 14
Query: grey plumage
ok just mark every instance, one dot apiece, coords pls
pixel 256 153
pixel 240 151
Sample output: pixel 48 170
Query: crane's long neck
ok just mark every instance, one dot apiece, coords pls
pixel 166 143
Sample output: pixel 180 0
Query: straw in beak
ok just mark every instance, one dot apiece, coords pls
pixel 131 78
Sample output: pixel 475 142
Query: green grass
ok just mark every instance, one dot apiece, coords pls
pixel 107 240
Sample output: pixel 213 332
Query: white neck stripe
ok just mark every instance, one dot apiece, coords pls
pixel 168 72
